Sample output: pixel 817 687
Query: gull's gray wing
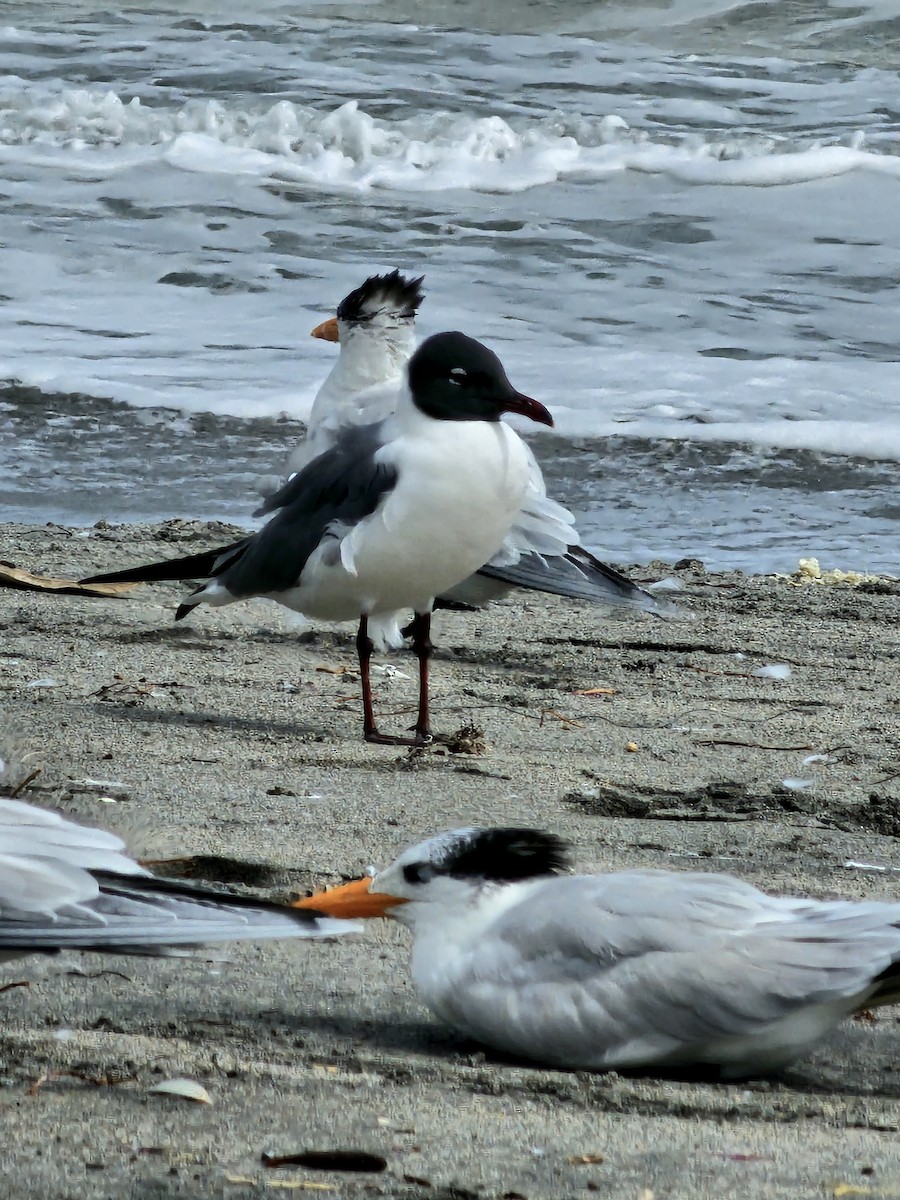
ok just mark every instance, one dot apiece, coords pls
pixel 338 474
pixel 648 967
pixel 331 494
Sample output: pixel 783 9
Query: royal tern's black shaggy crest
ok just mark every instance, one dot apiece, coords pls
pixel 393 292
pixel 495 855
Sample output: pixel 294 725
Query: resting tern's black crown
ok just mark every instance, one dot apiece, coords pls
pixel 494 855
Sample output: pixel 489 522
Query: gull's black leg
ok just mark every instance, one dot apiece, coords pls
pixel 423 650
pixel 420 628
pixel 364 648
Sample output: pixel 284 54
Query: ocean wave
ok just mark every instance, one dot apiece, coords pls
pixel 348 148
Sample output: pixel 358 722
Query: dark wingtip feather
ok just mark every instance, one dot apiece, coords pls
pixel 393 290
pixel 191 566
pixel 183 609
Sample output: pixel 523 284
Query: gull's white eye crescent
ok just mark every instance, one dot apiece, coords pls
pixel 457 375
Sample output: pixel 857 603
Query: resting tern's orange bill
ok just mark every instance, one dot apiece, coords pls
pixel 629 969
pixel 355 897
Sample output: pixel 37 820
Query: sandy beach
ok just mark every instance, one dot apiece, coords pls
pixel 233 738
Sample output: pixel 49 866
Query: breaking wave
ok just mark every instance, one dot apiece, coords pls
pixel 347 148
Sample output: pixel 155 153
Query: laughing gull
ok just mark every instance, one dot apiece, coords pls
pixel 632 969
pixel 65 886
pixel 394 513
pixel 375 328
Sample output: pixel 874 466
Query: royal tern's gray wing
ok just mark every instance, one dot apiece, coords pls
pixel 337 409
pixel 329 496
pixel 657 968
pixel 541 553
pixel 189 566
pixel 580 576
pixel 141 914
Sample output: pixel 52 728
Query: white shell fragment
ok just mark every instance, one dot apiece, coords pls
pixel 189 1089
pixel 809 571
pixel 852 865
pixel 772 671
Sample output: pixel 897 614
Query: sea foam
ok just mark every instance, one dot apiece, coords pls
pixel 349 148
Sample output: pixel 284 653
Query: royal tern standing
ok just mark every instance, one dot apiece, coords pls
pixel 65 886
pixel 632 969
pixel 375 327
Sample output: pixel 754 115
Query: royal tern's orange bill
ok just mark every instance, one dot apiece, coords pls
pixel 327 331
pixel 351 900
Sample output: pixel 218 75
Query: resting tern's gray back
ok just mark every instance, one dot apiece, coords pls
pixel 645 967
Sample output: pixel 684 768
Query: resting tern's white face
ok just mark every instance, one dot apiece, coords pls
pixel 447 876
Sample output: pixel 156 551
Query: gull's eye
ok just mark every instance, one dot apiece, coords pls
pixel 418 873
pixel 459 376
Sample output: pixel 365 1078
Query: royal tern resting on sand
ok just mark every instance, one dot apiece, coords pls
pixel 632 969
pixel 65 886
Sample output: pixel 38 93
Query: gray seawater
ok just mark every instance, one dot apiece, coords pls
pixel 679 224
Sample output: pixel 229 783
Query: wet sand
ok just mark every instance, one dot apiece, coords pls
pixel 234 737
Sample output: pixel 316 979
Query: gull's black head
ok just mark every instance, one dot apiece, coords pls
pixel 485 855
pixel 454 378
pixel 392 295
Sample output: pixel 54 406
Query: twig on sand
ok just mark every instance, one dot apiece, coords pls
pixel 749 745
pixel 114 1076
pixel 563 720
pixel 20 787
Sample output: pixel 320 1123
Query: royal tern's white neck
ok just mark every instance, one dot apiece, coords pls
pixel 362 384
pixel 373 353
